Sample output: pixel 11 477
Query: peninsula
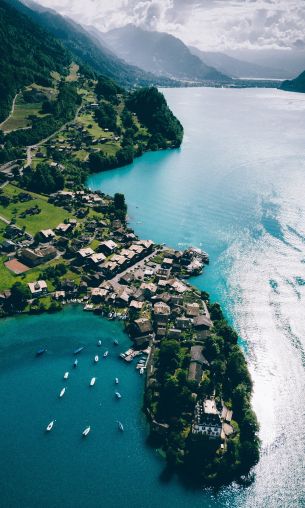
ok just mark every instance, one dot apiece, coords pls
pixel 62 243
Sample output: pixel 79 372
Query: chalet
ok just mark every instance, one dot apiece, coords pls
pixel 37 256
pixel 98 294
pixel 161 332
pixel 192 309
pixel 149 289
pixel 141 331
pixel 184 323
pixel 60 295
pixel 161 312
pixel 134 304
pixel 85 253
pixel 167 263
pixel 207 420
pixel 109 268
pixel 8 246
pixel 108 247
pixel 38 288
pixel 138 249
pixel 163 273
pixel 174 333
pixel 202 322
pixel 147 244
pixel 63 228
pixel 197 364
pixel 46 235
pixel 127 278
pixel 96 259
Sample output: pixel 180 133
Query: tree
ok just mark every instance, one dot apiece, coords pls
pixel 20 294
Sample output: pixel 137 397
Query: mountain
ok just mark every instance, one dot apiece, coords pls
pixel 28 54
pixel 236 68
pixel 295 85
pixel 159 53
pixel 85 48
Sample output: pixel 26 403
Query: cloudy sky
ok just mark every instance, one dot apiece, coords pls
pixel 208 24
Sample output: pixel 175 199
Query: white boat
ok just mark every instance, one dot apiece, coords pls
pixel 106 354
pixel 86 431
pixel 92 382
pixel 115 342
pixel 50 426
pixel 121 427
pixel 62 393
pixel 96 359
pixel 116 380
pixel 99 343
pixel 75 363
pixel 66 375
pixel 142 370
pixel 118 395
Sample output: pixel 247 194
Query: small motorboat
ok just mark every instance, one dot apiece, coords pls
pixel 78 350
pixel 99 343
pixel 50 426
pixel 86 431
pixel 62 393
pixel 121 427
pixel 92 382
pixel 116 342
pixel 142 370
pixel 75 363
pixel 66 375
pixel 40 351
pixel 96 359
pixel 116 380
pixel 106 354
pixel 118 395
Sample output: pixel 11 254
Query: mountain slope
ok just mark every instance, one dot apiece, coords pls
pixel 236 68
pixel 28 54
pixel 159 53
pixel 86 50
pixel 295 85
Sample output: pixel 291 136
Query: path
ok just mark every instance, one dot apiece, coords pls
pixel 12 110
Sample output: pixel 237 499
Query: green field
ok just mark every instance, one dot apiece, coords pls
pixel 19 119
pixel 73 76
pixel 49 217
pixel 95 130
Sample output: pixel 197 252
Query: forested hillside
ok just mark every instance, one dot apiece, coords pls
pixel 295 85
pixel 28 54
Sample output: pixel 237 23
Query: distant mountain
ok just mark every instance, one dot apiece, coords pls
pixel 236 68
pixel 159 53
pixel 28 54
pixel 87 50
pixel 295 85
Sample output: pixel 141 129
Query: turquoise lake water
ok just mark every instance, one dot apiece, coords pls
pixel 236 188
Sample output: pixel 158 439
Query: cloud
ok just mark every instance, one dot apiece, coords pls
pixel 209 24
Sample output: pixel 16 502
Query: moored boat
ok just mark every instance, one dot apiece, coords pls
pixel 86 431
pixel 118 395
pixel 106 354
pixel 75 363
pixel 142 370
pixel 96 359
pixel 40 351
pixel 62 393
pixel 116 342
pixel 50 426
pixel 116 380
pixel 78 350
pixel 92 382
pixel 66 375
pixel 99 343
pixel 121 426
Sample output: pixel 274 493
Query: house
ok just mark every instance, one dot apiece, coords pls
pixel 141 327
pixel 174 333
pixel 192 309
pixel 60 295
pixel 63 228
pixel 46 235
pixel 167 263
pixel 134 304
pixel 197 364
pixel 147 244
pixel 207 420
pixel 202 322
pixel 137 249
pixel 8 246
pixel 109 268
pixel 149 289
pixel 161 332
pixel 85 253
pixel 96 259
pixel 161 312
pixel 108 247
pixel 98 294
pixel 38 288
pixel 183 322
pixel 37 256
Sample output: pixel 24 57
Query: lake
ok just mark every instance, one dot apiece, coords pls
pixel 235 188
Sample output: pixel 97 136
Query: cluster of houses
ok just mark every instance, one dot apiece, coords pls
pixel 212 421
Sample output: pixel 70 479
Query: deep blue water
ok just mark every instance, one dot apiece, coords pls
pixel 236 188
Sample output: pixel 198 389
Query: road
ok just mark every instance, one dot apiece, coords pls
pixel 139 264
